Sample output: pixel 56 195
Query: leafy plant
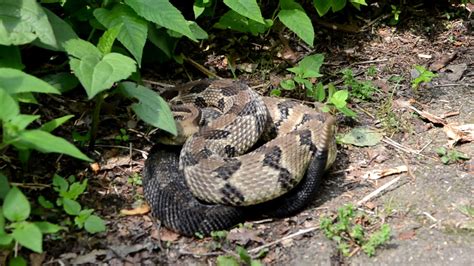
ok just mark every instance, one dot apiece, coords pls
pixel 123 136
pixel 363 90
pixel 424 75
pixel 135 179
pixel 451 156
pixel 323 6
pixel 241 257
pixel 395 15
pixel 15 225
pixel 349 230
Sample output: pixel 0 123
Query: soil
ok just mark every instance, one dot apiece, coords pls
pixel 424 208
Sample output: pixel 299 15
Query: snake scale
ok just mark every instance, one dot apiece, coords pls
pixel 221 176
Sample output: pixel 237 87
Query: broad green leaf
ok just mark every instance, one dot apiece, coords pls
pixel 46 142
pixel 29 236
pixel 62 81
pixel 25 97
pixel 79 48
pixel 362 136
pixel 60 184
pixel 234 21
pixel 22 121
pixel 53 124
pixel 76 189
pixel 198 32
pixel 10 57
pixel 9 106
pixel 309 66
pixel 322 6
pixel 62 32
pixel 71 207
pixel 17 261
pixel 246 8
pixel 199 7
pixel 47 227
pixel 151 108
pixel 134 30
pixel 4 188
pixel 360 2
pixel 288 84
pixel 21 22
pixel 163 13
pixel 338 5
pixel 94 224
pixel 16 206
pixel 16 81
pixel 5 239
pixel 98 73
pixel 2 221
pixel 294 17
pixel 107 40
pixel 227 261
pixel 162 40
pixel 339 98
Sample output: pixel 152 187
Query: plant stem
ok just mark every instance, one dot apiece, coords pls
pixel 99 99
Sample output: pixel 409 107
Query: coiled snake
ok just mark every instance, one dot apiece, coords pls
pixel 225 119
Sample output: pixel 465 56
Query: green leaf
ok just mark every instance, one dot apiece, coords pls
pixel 246 8
pixel 339 98
pixel 338 5
pixel 16 206
pixel 227 261
pixel 62 32
pixel 21 22
pixel 9 106
pixel 288 84
pixel 17 261
pixel 5 239
pixel 45 203
pixel 46 142
pixel 243 254
pixel 441 151
pixel 320 93
pixel 94 224
pixel 4 187
pixel 97 73
pixel 29 236
pixel 53 124
pixel 322 6
pixel 234 21
pixel 2 222
pixel 10 57
pixel 151 108
pixel 134 30
pixel 15 81
pixel 163 13
pixel 294 17
pixel 162 40
pixel 76 189
pixel 107 40
pixel 71 207
pixel 62 81
pixel 198 32
pixel 47 227
pixel 362 136
pixel 25 97
pixel 309 66
pixel 60 184
pixel 22 121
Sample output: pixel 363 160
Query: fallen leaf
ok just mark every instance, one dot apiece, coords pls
pixel 140 210
pixel 456 71
pixel 407 235
pixel 459 133
pixel 116 161
pixel 370 205
pixel 168 235
pixel 377 174
pixel 95 167
pixel 124 250
pixel 361 136
pixel 243 236
pixel 442 62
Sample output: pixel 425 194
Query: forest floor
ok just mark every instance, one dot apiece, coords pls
pixel 429 206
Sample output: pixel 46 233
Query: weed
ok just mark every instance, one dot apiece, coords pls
pixel 241 257
pixel 424 75
pixel 451 156
pixel 123 136
pixel 348 231
pixel 363 90
pixel 135 179
pixel 372 71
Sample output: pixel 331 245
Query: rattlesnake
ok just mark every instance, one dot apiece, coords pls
pixel 232 118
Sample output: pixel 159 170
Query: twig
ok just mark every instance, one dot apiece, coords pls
pixel 377 191
pixel 185 252
pixel 300 232
pixel 371 61
pixel 365 111
pixel 410 173
pixel 401 147
pixel 431 217
pixel 453 85
pixel 161 84
pixel 30 185
pixel 121 147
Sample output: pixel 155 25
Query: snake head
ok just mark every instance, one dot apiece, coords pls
pixel 187 119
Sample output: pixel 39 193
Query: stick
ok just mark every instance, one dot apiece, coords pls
pixel 377 191
pixel 300 232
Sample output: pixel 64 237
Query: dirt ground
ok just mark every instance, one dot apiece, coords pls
pixel 423 206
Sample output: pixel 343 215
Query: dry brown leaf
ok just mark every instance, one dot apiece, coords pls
pixel 442 62
pixel 459 133
pixel 370 205
pixel 243 236
pixel 407 235
pixel 168 235
pixel 140 210
pixel 116 161
pixel 95 167
pixel 377 174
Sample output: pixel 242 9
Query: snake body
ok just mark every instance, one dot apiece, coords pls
pixel 211 168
